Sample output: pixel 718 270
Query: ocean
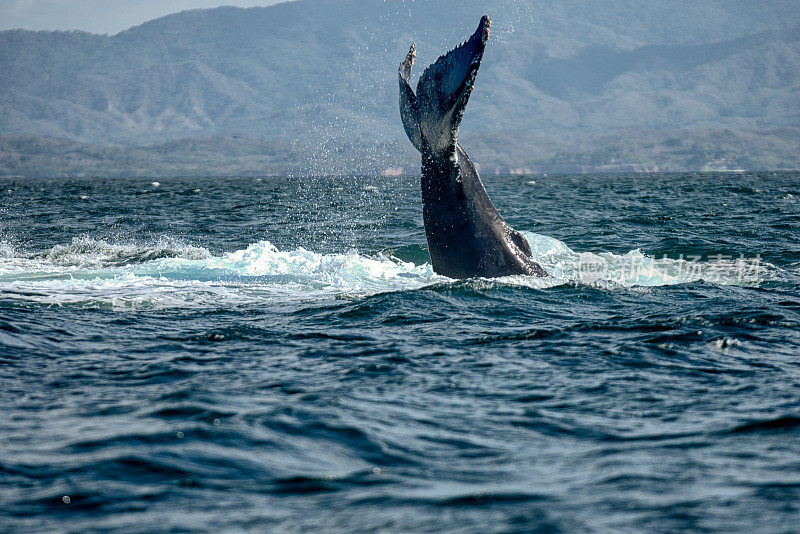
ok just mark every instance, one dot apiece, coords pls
pixel 276 354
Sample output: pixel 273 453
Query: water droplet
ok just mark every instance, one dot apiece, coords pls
pixel 66 499
pixel 179 434
pixel 376 470
pixel 216 422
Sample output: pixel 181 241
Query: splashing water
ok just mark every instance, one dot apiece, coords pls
pixel 168 274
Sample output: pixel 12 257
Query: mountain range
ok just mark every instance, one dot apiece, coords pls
pixel 323 74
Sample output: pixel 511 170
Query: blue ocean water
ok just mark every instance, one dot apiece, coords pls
pixel 250 354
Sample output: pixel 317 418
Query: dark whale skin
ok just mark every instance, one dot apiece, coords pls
pixel 466 235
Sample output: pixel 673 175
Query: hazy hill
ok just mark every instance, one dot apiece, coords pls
pixel 319 71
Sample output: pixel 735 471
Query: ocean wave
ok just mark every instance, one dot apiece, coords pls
pixel 169 273
pixel 636 269
pixel 87 252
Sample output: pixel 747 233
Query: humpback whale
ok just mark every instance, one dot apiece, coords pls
pixel 466 235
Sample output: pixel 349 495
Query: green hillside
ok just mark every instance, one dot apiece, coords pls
pixel 322 74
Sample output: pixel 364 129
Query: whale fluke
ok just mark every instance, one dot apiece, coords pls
pixel 466 235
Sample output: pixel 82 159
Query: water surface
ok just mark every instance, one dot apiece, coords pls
pixel 277 354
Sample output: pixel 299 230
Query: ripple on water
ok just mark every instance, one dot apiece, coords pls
pixel 230 354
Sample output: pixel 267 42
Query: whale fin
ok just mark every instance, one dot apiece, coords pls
pixel 409 110
pixel 444 89
pixel 519 240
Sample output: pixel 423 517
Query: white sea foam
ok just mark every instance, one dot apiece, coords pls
pixel 93 273
pixel 637 269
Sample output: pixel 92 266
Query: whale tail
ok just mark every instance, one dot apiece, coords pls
pixel 432 116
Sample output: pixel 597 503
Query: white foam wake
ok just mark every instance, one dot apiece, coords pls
pixel 98 273
pixel 634 269
pixel 89 272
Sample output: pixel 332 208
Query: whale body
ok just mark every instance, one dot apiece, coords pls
pixel 466 235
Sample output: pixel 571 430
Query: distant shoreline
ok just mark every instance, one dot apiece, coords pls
pixel 501 153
